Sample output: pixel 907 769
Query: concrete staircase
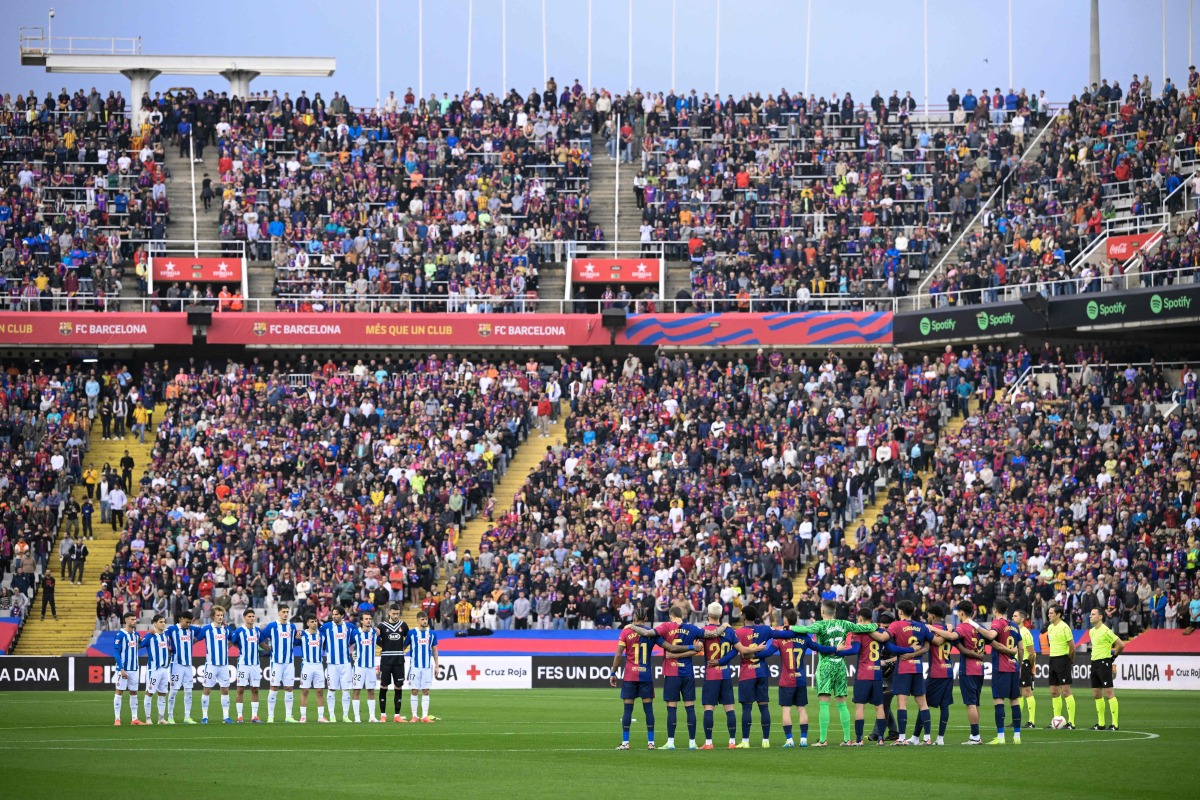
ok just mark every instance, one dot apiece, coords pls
pixel 871 513
pixel 180 192
pixel 262 284
pixel 603 189
pixel 552 288
pixel 527 459
pixel 72 632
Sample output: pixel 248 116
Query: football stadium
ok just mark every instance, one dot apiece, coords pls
pixel 501 398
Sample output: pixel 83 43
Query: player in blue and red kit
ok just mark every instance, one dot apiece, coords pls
pixel 637 677
pixel 909 678
pixel 1005 639
pixel 754 675
pixel 718 677
pixel 793 685
pixel 868 675
pixel 679 677
pixel 939 692
pixel 970 674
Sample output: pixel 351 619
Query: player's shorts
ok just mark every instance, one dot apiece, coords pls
pixel 1102 673
pixel 754 690
pixel 634 690
pixel 939 692
pixel 869 693
pixel 312 676
pixel 182 677
pixel 365 678
pixel 1006 686
pixel 249 675
pixel 717 692
pixel 831 678
pixel 216 676
pixel 1026 675
pixel 909 683
pixel 391 671
pixel 970 687
pixel 1060 670
pixel 339 676
pixel 680 688
pixel 793 696
pixel 423 678
pixel 158 681
pixel 283 675
pixel 124 684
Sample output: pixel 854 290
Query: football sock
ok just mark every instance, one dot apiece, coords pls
pixel 171 695
pixel 424 706
pixel 1113 710
pixel 287 703
pixel 1057 703
pixel 859 725
pixel 357 711
pixel 974 730
pixel 844 716
pixel 117 705
pixel 746 720
pixel 331 704
pixel 304 711
pixel 162 707
pixel 672 716
pixel 824 719
pixel 224 706
pixel 1016 719
pixel 271 697
pixel 943 720
pixel 902 721
pixel 1100 708
pixel 204 706
pixel 382 700
pixel 320 710
pixel 416 701
pixel 708 725
pixel 804 730
pixel 133 705
pixel 1071 709
pixel 691 721
pixel 254 708
pixel 925 720
pixel 187 702
pixel 626 721
pixel 1031 707
pixel 880 728
pixel 764 717
pixel 648 709
pixel 346 704
pixel 999 711
pixel 397 701
pixel 147 705
pixel 731 723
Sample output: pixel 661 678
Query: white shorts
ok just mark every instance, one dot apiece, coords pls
pixel 182 677
pixel 283 675
pixel 124 684
pixel 249 675
pixel 420 678
pixel 365 678
pixel 339 676
pixel 312 676
pixel 159 681
pixel 217 676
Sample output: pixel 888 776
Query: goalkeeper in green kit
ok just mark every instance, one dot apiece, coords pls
pixel 831 669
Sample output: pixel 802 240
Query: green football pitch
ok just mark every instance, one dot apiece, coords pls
pixel 558 743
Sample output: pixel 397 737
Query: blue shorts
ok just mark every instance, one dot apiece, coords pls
pixel 912 684
pixel 1006 685
pixel 970 687
pixel 680 688
pixel 940 692
pixel 754 690
pixel 793 696
pixel 869 692
pixel 717 692
pixel 632 690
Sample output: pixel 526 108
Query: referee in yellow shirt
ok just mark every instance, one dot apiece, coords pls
pixel 1106 646
pixel 1062 661
pixel 1029 702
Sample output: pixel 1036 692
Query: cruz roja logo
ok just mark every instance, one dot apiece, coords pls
pixel 928 326
pixel 1096 310
pixel 1159 304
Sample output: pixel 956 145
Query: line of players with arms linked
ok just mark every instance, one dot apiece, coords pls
pixel 341 655
pixel 898 643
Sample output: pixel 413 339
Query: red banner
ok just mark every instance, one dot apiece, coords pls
pixel 1123 248
pixel 101 328
pixel 203 270
pixel 616 270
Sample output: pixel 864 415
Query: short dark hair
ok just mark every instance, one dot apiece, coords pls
pixel 829 605
pixel 338 610
pixel 864 612
pixel 128 614
pixel 1000 607
pixel 750 613
pixel 790 616
pixel 906 607
pixel 185 614
pixel 309 618
pixel 937 610
pixel 676 611
pixel 886 618
pixel 967 607
pixel 1056 608
pixel 157 618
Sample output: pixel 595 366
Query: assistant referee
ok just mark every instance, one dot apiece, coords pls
pixel 1106 646
pixel 1062 661
pixel 1028 664
pixel 393 634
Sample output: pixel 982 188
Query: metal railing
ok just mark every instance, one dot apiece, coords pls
pixel 1020 387
pixel 38 41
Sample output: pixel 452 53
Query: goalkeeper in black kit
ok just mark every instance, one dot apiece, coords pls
pixel 393 634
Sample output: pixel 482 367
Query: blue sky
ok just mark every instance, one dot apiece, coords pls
pixel 878 45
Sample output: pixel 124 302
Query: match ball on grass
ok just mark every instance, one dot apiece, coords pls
pixel 1058 723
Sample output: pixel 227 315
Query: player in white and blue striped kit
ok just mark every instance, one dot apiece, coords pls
pixel 422 664
pixel 249 672
pixel 282 635
pixel 366 638
pixel 339 674
pixel 312 670
pixel 217 671
pixel 158 668
pixel 126 679
pixel 183 674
